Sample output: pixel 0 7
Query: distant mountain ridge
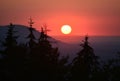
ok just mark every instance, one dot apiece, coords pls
pixel 22 32
pixel 105 47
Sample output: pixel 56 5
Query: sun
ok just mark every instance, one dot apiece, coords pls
pixel 66 29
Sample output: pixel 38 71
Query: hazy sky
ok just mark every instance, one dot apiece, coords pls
pixel 93 17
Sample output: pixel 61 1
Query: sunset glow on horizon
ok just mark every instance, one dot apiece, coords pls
pixel 93 17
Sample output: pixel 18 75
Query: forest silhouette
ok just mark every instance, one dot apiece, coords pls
pixel 40 61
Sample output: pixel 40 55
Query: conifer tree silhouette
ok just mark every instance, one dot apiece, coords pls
pixel 10 42
pixel 14 56
pixel 31 44
pixel 85 64
pixel 46 62
pixel 10 53
pixel 31 36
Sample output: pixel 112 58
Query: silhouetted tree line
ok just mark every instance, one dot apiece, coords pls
pixel 39 61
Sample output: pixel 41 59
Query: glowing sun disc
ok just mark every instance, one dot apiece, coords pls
pixel 66 29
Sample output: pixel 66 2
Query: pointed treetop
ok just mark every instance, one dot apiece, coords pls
pixel 42 29
pixel 10 39
pixel 11 25
pixel 86 38
pixel 86 41
pixel 45 29
pixel 43 36
pixel 30 22
pixel 11 28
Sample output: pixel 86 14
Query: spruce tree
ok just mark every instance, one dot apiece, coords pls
pixel 10 53
pixel 85 64
pixel 31 44
pixel 10 42
pixel 31 36
pixel 14 56
pixel 46 62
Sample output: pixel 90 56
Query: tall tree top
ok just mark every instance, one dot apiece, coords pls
pixel 11 25
pixel 85 43
pixel 30 22
pixel 45 29
pixel 43 36
pixel 31 36
pixel 10 40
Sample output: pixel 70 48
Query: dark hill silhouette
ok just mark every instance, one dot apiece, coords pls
pixel 22 32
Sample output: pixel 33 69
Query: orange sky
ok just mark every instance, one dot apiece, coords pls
pixel 93 17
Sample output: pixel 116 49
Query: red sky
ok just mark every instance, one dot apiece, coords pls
pixel 93 17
